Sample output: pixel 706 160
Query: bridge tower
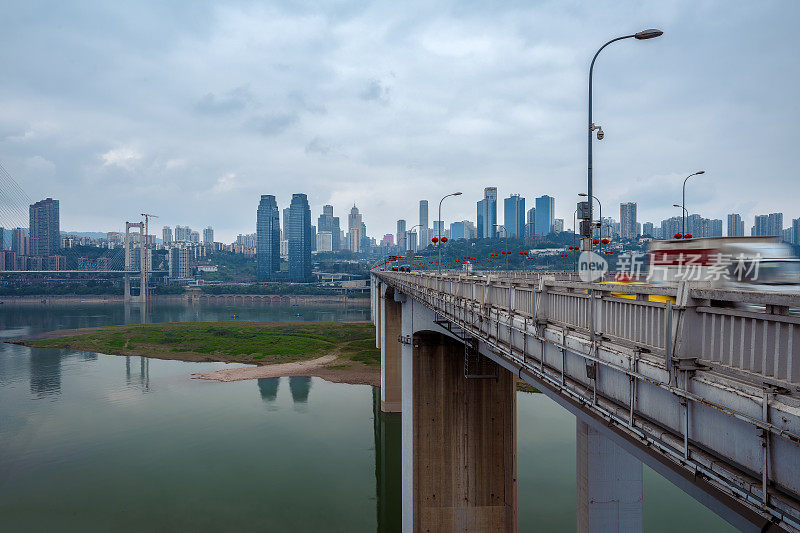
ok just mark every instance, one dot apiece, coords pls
pixel 130 261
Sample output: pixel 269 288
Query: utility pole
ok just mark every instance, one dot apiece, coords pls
pixel 145 247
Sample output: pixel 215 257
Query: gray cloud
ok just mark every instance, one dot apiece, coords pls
pixel 118 109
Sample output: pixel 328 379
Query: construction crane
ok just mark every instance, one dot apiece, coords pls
pixel 145 248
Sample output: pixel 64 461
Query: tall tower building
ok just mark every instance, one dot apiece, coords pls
pixel 356 230
pixel 487 214
pixel 268 238
pixel 423 214
pixel 401 234
pixel 627 220
pixel 514 216
pixel 545 213
pixel 735 225
pixel 208 235
pixel 329 223
pixel 166 235
pixel 19 242
pixel 298 233
pixel 45 234
pixel 530 224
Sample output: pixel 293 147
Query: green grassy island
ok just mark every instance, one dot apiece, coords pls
pixel 261 343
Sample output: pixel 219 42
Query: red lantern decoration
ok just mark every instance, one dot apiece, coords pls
pixel 687 236
pixel 435 240
pixel 444 239
pixel 677 235
pixel 595 241
pixel 605 241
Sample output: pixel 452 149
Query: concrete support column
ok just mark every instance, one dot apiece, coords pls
pixel 609 484
pixel 391 316
pixel 377 311
pixel 464 441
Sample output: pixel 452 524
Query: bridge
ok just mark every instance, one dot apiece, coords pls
pixel 701 385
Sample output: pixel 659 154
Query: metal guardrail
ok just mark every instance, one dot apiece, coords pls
pixel 755 333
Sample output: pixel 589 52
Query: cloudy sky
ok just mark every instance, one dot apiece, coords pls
pixel 191 110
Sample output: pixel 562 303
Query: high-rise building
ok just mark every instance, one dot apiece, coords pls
pixel 356 230
pixel 648 230
pixel 401 234
pixel 735 225
pixel 298 233
pixel 487 214
pixel 545 213
pixel 411 242
pixel 796 231
pixel 768 225
pixel 166 235
pixel 44 231
pixel 627 220
pixel 438 229
pixel 458 231
pixel 514 216
pixel 268 238
pixel 324 241
pixel 423 214
pixel 558 225
pixel 530 224
pixel 19 244
pixel 178 262
pixel 208 235
pixel 329 223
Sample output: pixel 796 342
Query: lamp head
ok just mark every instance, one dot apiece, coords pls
pixel 649 34
pixel 583 194
pixel 676 205
pixel 456 194
pixel 700 172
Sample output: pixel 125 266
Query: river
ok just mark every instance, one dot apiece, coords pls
pixel 92 442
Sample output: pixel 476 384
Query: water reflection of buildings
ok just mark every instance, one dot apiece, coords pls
pixel 300 387
pixel 45 377
pixel 268 387
pixel 388 466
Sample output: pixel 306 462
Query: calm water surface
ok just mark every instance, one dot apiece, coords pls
pixel 92 442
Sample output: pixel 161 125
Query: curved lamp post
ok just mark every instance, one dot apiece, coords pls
pixel 683 205
pixel 683 214
pixel 439 244
pixel 642 35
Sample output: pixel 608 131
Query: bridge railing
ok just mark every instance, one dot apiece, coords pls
pixel 748 331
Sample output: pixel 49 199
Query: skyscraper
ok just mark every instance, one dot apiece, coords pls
pixel 545 212
pixel 18 242
pixel 356 230
pixel 649 230
pixel 530 225
pixel 735 225
pixel 45 234
pixel 457 231
pixel 298 233
pixel 329 223
pixel 166 235
pixel 401 234
pixel 423 214
pixel 487 214
pixel 208 235
pixel 268 238
pixel 627 220
pixel 514 216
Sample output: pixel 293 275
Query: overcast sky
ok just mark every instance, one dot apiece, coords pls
pixel 192 110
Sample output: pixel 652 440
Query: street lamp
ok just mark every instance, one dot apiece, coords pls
pixel 642 35
pixel 683 227
pixel 683 213
pixel 440 228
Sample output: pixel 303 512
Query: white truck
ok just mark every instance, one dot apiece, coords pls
pixel 743 263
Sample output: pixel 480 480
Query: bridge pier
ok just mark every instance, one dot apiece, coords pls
pixel 389 320
pixel 609 484
pixel 458 434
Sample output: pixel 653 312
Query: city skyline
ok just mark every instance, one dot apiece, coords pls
pixel 322 128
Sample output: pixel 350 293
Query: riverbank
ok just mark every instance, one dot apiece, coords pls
pixel 335 351
pixel 301 299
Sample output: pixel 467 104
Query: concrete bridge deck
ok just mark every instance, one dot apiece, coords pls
pixel 707 395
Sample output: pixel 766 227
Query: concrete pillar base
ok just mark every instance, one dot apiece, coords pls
pixel 609 484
